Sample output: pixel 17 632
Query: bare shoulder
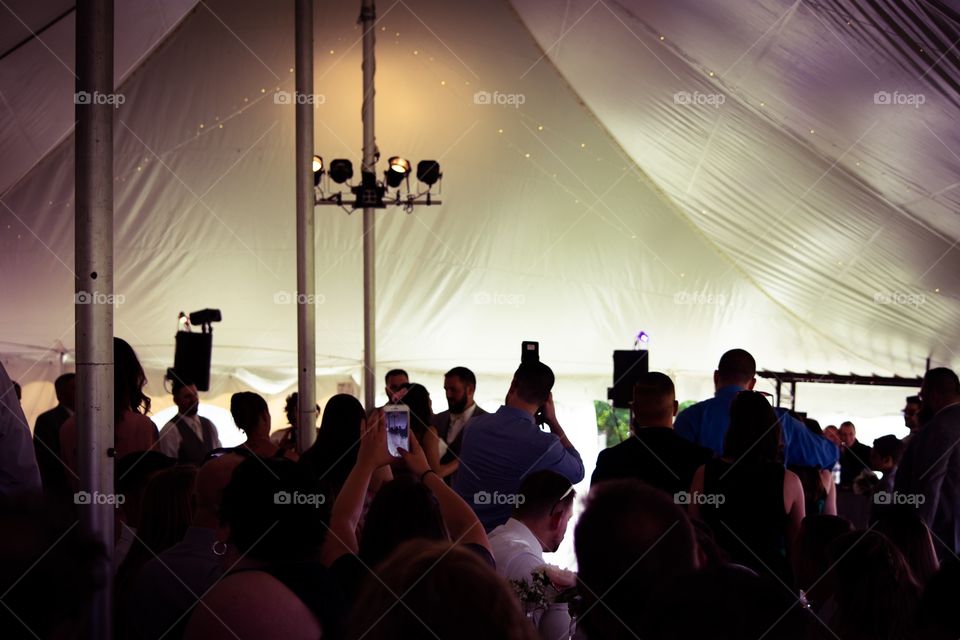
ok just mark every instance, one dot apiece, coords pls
pixel 252 604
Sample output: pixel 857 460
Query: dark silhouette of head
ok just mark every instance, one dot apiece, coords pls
pixel 940 388
pixel 417 399
pixel 128 381
pixel 394 380
pixel 265 518
pixel 448 592
pixel 905 528
pixel 334 453
pixel 654 400
pixel 629 540
pixel 754 431
pixel 66 389
pixel 810 560
pixel 736 367
pixel 875 590
pixel 249 410
pixel 404 509
pixel 532 383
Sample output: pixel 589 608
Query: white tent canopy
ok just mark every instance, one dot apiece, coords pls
pixel 716 174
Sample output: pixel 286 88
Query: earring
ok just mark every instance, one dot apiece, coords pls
pixel 221 550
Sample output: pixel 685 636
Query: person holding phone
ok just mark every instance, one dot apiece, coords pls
pixel 500 449
pixel 348 555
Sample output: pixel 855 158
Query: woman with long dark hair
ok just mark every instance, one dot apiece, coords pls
pixel 752 503
pixel 133 430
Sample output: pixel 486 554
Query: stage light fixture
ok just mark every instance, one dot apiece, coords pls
pixel 341 170
pixel 317 169
pixel 397 171
pixel 428 172
pixel 399 165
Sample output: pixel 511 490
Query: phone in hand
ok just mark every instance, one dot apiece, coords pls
pixel 397 417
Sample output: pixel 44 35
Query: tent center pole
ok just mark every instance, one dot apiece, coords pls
pixel 93 306
pixel 306 271
pixel 370 153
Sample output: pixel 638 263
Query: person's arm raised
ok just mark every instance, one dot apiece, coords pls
pixel 462 522
pixel 373 454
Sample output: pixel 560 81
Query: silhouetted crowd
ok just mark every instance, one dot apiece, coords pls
pixel 731 519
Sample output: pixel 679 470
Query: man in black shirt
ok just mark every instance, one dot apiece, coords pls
pixel 854 455
pixel 654 453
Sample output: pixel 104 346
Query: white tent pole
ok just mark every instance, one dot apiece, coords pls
pixel 367 21
pixel 306 273
pixel 94 282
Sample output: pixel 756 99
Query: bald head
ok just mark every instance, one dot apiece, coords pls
pixel 736 367
pixel 654 400
pixel 212 479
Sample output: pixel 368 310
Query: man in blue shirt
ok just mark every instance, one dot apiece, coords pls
pixel 500 449
pixel 705 423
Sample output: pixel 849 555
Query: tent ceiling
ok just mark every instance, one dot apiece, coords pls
pixel 596 208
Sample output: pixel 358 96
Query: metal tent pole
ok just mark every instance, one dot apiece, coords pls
pixel 94 289
pixel 367 21
pixel 306 273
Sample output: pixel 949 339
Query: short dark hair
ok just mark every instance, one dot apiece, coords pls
pixel 179 383
pixel 533 382
pixel 754 431
pixel 265 526
pixel 913 400
pixel 466 376
pixel 737 365
pixel 942 379
pixel 62 382
pixel 889 446
pixel 542 491
pixel 395 372
pixel 246 408
pixel 650 391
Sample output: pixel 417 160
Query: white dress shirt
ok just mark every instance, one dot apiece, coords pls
pixel 457 420
pixel 517 551
pixel 19 473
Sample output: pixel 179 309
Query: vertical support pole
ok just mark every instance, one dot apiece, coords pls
pixel 367 20
pixel 94 289
pixel 793 395
pixel 306 272
pixel 779 389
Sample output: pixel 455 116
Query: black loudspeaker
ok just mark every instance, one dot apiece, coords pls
pixel 192 358
pixel 627 367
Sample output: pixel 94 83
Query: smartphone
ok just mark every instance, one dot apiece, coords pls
pixel 398 428
pixel 530 351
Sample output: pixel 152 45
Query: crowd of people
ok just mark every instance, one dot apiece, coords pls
pixel 724 520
